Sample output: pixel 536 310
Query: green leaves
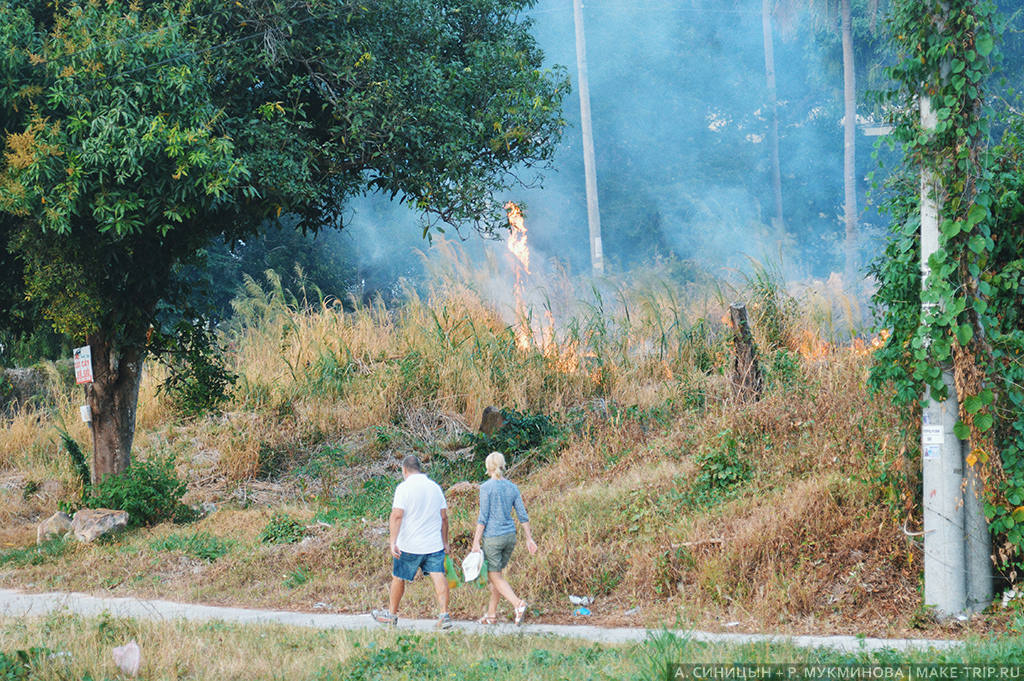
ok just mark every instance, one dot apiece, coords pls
pixel 975 285
pixel 984 44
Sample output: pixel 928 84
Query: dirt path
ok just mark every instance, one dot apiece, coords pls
pixel 18 604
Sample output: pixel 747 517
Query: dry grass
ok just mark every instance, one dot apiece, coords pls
pixel 217 651
pixel 807 538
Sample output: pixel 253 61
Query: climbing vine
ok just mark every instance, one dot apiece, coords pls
pixel 968 314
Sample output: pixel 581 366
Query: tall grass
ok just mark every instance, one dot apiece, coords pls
pixel 665 491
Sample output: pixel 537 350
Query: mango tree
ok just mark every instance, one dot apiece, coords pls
pixel 136 132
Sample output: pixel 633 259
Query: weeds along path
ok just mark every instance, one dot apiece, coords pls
pixel 18 604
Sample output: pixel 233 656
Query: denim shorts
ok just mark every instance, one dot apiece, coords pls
pixel 405 566
pixel 498 551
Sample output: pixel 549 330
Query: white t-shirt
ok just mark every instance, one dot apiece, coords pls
pixel 421 501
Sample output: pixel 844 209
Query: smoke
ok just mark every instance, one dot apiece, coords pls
pixel 680 113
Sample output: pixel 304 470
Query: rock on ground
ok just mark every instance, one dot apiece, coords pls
pixel 91 523
pixel 56 526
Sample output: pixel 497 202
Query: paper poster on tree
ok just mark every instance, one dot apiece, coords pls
pixel 83 365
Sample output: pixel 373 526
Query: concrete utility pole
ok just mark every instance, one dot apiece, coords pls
pixel 957 546
pixel 589 165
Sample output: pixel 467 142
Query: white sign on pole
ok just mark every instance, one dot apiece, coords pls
pixel 932 435
pixel 83 365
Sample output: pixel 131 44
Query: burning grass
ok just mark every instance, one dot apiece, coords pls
pixel 660 491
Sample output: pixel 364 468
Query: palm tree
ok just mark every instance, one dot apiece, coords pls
pixel 850 247
pixel 773 127
pixel 825 12
pixel 589 164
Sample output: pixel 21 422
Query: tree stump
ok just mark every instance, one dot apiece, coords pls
pixel 492 420
pixel 747 381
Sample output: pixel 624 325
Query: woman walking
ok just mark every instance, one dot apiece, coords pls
pixel 496 528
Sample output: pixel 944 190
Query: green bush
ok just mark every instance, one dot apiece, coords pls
pixel 197 381
pixel 373 501
pixel 150 491
pixel 19 665
pixel 282 529
pixel 723 471
pixel 201 545
pixel 77 460
pixel 783 369
pixel 533 437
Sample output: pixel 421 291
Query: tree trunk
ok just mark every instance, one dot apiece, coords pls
pixel 589 163
pixel 113 397
pixel 747 382
pixel 778 223
pixel 852 264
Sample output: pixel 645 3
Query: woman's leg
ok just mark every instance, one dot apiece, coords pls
pixel 492 607
pixel 499 585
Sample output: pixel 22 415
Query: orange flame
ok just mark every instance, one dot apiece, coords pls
pixel 517 245
pixel 517 236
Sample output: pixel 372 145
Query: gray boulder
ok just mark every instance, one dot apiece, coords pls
pixel 91 523
pixel 56 526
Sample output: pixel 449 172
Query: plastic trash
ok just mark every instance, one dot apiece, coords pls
pixel 581 612
pixel 481 581
pixel 128 657
pixel 449 572
pixel 581 600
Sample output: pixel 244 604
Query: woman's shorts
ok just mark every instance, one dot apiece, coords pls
pixel 498 550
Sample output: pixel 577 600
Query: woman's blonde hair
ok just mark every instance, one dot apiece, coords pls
pixel 495 463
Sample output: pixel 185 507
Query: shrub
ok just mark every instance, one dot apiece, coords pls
pixel 534 436
pixel 19 665
pixel 783 369
pixel 374 501
pixel 197 381
pixel 723 470
pixel 282 529
pixel 150 491
pixel 77 460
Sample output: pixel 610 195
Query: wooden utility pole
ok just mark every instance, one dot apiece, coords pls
pixel 589 165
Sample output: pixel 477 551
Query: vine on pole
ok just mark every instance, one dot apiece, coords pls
pixel 946 52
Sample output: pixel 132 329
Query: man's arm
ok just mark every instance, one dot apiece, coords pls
pixel 395 522
pixel 444 530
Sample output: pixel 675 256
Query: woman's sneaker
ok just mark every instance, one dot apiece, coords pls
pixel 444 621
pixel 385 616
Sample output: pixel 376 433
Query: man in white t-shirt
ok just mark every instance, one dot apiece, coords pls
pixel 419 540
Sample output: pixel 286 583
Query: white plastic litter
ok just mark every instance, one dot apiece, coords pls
pixel 128 657
pixel 581 600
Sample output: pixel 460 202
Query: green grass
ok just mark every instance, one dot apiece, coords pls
pixel 46 552
pixel 78 649
pixel 201 545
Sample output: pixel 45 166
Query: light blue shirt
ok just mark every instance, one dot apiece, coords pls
pixel 497 499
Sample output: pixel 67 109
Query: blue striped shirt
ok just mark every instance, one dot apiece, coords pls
pixel 497 499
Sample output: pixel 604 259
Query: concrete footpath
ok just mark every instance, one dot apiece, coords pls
pixel 18 604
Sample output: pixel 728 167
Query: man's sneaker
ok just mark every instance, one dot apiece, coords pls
pixel 385 616
pixel 444 621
